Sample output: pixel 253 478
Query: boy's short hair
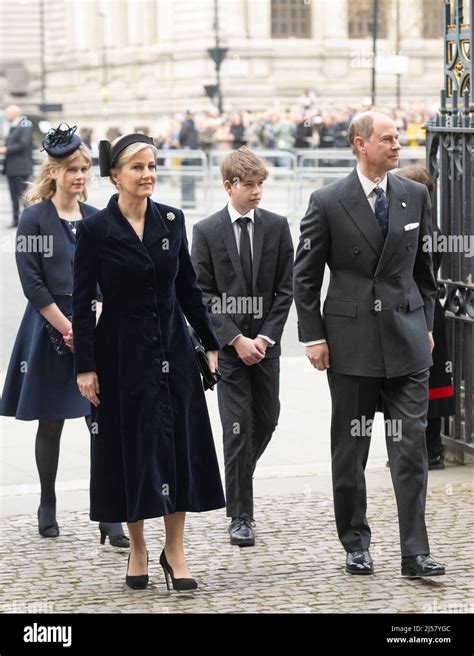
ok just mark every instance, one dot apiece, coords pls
pixel 242 163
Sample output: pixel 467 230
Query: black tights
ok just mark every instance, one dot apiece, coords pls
pixel 48 438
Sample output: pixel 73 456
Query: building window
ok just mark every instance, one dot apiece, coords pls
pixel 360 15
pixel 291 19
pixel 433 12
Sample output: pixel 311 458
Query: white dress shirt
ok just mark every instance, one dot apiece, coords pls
pixel 234 215
pixel 368 187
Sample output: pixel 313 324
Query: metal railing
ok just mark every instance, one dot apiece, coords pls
pixel 450 159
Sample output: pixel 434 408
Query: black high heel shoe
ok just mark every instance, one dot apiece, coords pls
pixel 137 582
pixel 178 584
pixel 47 524
pixel 114 533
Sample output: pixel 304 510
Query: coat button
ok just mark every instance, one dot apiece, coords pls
pixel 156 361
pixel 154 315
pixel 356 251
pixel 154 338
pixel 400 308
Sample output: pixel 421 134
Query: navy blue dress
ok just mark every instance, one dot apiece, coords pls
pixel 39 384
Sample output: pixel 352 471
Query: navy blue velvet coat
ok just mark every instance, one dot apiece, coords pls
pixel 152 450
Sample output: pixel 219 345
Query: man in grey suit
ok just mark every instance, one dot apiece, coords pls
pixel 374 337
pixel 243 257
pixel 18 151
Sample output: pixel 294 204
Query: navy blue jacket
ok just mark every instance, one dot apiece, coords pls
pixel 43 262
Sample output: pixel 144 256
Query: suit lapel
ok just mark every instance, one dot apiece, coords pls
pixel 231 246
pixel 357 206
pixel 258 232
pixel 397 216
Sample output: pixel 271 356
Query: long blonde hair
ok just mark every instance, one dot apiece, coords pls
pixel 45 185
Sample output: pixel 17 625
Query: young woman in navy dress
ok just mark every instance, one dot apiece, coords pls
pixel 40 384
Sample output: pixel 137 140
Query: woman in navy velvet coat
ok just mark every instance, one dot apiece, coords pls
pixel 153 453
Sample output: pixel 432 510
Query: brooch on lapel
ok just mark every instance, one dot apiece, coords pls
pixel 404 204
pixel 170 216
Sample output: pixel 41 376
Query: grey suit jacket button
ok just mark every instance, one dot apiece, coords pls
pixel 356 251
pixel 400 308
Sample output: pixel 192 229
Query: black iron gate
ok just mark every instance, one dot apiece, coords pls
pixel 450 159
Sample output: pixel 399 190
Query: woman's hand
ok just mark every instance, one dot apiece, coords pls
pixel 68 340
pixel 212 357
pixel 88 384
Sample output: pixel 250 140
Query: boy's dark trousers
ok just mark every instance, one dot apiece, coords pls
pixel 249 408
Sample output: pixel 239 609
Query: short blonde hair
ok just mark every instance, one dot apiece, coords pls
pixel 127 153
pixel 45 186
pixel 241 164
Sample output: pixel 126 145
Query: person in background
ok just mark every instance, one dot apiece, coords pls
pixel 18 152
pixel 40 383
pixel 441 389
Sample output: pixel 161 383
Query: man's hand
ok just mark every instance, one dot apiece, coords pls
pixel 318 355
pixel 431 341
pixel 248 350
pixel 261 344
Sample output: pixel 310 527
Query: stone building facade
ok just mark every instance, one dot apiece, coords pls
pixel 126 62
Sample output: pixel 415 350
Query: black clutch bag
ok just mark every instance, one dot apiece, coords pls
pixel 57 340
pixel 209 379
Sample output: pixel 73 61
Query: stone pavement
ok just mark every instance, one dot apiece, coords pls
pixel 296 566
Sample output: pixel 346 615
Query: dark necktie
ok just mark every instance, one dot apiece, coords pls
pixel 245 253
pixel 381 209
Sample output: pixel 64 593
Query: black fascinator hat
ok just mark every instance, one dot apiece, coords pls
pixel 108 154
pixel 61 142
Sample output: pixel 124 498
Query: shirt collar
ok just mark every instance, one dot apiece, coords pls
pixel 369 185
pixel 234 215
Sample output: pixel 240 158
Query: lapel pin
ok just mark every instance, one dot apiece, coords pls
pixel 170 216
pixel 404 204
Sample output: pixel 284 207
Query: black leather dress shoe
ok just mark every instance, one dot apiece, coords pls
pixel 359 562
pixel 421 565
pixel 241 531
pixel 436 463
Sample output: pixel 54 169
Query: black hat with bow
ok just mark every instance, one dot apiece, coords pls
pixel 108 154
